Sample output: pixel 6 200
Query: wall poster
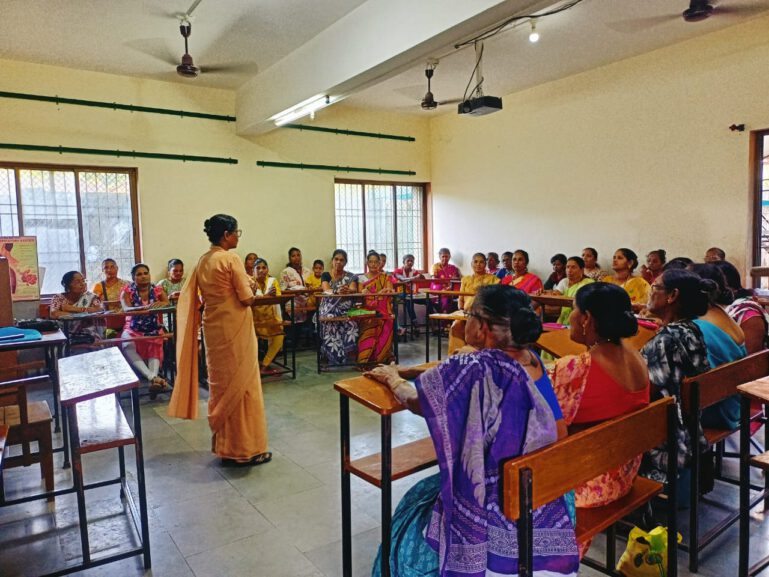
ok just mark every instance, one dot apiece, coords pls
pixel 21 252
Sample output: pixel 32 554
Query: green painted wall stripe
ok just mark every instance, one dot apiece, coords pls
pixel 118 153
pixel 344 132
pixel 116 106
pixel 333 168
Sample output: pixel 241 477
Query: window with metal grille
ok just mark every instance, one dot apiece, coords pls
pixel 80 216
pixel 386 217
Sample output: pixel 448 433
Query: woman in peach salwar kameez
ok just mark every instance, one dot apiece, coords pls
pixel 235 406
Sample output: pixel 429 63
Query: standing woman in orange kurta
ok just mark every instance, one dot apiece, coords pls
pixel 235 405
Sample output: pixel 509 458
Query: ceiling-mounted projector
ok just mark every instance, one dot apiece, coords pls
pixel 480 106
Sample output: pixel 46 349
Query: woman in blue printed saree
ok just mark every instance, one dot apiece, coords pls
pixel 481 409
pixel 339 338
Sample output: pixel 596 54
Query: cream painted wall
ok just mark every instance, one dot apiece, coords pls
pixel 635 154
pixel 276 208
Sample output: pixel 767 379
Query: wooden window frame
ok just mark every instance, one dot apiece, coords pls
pixel 757 154
pixel 426 219
pixel 132 173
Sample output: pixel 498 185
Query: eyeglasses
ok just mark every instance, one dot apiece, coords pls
pixel 237 232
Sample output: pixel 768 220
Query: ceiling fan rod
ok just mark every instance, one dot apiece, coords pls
pixel 185 17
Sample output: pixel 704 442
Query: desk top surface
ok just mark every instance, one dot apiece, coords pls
pixel 370 393
pixel 272 300
pixel 116 313
pixel 95 374
pixel 455 316
pixel 758 389
pixel 356 295
pixel 559 300
pixel 447 293
pixel 49 340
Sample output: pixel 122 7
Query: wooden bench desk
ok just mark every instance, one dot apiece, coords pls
pixel 90 388
pixel 378 469
pixel 757 390
pixel 282 300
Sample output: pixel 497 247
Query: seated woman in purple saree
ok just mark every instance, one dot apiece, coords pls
pixel 482 409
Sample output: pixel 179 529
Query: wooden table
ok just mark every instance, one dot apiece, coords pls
pixel 360 296
pixel 440 318
pixel 90 388
pixel 52 345
pixel 754 391
pixel 553 300
pixel 378 469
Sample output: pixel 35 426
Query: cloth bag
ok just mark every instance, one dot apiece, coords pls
pixel 646 554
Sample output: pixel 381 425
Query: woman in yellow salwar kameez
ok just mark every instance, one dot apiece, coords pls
pixel 235 405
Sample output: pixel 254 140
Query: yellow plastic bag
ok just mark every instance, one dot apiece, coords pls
pixel 646 554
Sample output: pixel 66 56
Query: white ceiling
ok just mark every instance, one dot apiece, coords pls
pixel 141 38
pixel 592 34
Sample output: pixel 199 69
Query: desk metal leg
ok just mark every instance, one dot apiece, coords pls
pixel 344 427
pixel 440 338
pixel 294 337
pixel 395 329
pixel 140 480
pixel 744 485
pixel 67 442
pixel 386 492
pixel 50 366
pixel 427 339
pixel 77 478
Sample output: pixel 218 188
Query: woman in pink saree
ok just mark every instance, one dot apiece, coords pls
pixel 444 270
pixel 376 333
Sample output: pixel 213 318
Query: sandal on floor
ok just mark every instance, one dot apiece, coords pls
pixel 260 459
pixel 157 385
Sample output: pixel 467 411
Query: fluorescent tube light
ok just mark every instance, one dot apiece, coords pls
pixel 305 108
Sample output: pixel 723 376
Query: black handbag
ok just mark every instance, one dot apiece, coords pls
pixel 42 325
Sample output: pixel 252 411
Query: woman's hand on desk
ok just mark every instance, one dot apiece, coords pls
pixel 387 375
pixel 157 305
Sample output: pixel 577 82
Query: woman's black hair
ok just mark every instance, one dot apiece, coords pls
pixel 578 260
pixel 292 249
pixel 135 268
pixel 317 261
pixel 524 253
pixel 338 252
pixel 217 225
pixel 173 262
pixel 629 255
pixel 492 254
pixel 610 306
pixel 509 306
pixel 373 253
pixel 592 250
pixel 560 257
pixel 408 256
pixel 444 249
pixel 720 294
pixel 66 280
pixel 507 253
pixel 678 263
pixel 733 280
pixel 108 259
pixel 660 254
pixel 480 254
pixel 260 260
pixel 692 291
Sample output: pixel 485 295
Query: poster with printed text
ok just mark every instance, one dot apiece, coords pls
pixel 21 252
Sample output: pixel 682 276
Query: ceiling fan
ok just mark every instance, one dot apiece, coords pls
pixel 429 102
pixel 187 68
pixel 697 11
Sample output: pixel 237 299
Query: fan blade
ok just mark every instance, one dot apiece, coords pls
pixel 738 11
pixel 234 68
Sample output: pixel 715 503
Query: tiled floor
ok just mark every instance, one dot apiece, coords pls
pixel 278 520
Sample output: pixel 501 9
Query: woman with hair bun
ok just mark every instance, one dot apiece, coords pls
pixel 677 351
pixel 235 405
pixel 575 280
pixel 481 408
pixel 624 262
pixel 592 268
pixel 655 260
pixel 608 380
pixel 724 340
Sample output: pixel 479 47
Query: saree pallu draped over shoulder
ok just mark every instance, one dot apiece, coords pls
pixel 236 406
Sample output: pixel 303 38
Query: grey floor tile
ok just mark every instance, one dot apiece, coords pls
pixel 313 518
pixel 269 554
pixel 328 558
pixel 280 477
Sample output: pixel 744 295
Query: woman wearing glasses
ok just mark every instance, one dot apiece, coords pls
pixel 235 406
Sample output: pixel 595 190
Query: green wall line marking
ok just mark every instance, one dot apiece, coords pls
pixel 118 153
pixel 115 106
pixel 300 166
pixel 343 132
